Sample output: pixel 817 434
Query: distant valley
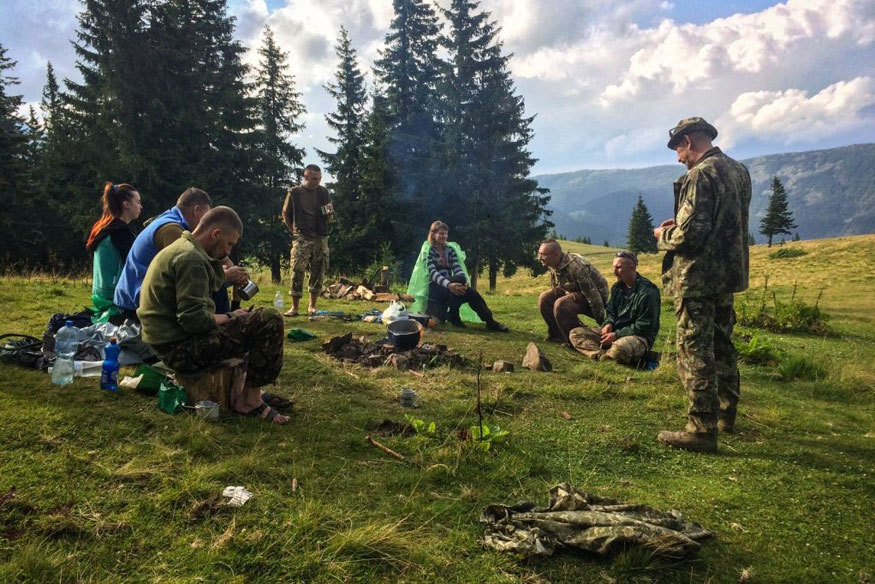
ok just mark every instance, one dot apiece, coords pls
pixel 831 193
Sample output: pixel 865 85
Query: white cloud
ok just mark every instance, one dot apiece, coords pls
pixel 792 116
pixel 679 55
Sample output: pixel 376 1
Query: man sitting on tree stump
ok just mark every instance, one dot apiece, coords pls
pixel 176 313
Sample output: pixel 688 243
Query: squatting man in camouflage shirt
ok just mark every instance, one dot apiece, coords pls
pixel 631 317
pixel 706 261
pixel 576 287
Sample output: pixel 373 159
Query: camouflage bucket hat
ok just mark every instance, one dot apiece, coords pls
pixel 688 125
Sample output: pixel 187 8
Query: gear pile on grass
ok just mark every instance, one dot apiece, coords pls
pixel 359 350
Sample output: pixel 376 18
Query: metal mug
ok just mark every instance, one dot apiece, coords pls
pixel 248 290
pixel 208 410
pixel 408 398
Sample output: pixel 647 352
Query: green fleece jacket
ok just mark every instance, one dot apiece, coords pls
pixel 175 301
pixel 636 314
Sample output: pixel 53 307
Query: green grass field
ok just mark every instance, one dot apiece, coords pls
pixel 110 489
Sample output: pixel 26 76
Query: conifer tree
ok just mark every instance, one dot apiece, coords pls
pixel 409 69
pixel 279 109
pixel 778 218
pixel 640 238
pixel 14 184
pixel 498 211
pixel 354 241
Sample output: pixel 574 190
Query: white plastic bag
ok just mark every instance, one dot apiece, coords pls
pixel 396 311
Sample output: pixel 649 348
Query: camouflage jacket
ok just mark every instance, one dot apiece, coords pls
pixel 576 275
pixel 707 249
pixel 575 518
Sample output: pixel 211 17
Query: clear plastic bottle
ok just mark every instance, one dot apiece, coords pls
pixel 278 302
pixel 66 343
pixel 109 375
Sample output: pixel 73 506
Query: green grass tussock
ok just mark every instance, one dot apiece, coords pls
pixel 109 489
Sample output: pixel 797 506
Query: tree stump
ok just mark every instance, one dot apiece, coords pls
pixel 216 385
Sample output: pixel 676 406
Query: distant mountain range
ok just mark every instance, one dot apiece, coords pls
pixel 830 192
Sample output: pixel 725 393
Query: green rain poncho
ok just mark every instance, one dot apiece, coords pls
pixel 419 281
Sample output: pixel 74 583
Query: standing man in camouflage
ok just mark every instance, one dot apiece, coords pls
pixel 307 212
pixel 179 320
pixel 706 261
pixel 577 287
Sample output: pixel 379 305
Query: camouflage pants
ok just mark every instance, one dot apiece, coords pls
pixel 625 350
pixel 256 337
pixel 707 361
pixel 312 254
pixel 560 311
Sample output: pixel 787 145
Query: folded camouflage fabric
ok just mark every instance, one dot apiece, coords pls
pixel 579 519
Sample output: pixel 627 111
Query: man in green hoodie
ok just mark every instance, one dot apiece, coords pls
pixel 177 313
pixel 631 317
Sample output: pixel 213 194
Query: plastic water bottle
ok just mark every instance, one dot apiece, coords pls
pixel 66 343
pixel 278 301
pixel 109 375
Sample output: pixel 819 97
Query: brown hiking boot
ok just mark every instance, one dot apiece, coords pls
pixel 699 442
pixel 726 426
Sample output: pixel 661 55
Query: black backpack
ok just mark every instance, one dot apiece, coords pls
pixel 17 349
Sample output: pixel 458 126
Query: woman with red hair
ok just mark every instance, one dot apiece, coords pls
pixel 110 241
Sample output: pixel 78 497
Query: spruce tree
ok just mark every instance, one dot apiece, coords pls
pixel 498 212
pixel 408 70
pixel 778 218
pixel 640 238
pixel 355 239
pixel 279 109
pixel 384 222
pixel 14 183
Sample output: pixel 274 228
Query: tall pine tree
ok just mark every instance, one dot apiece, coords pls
pixel 640 238
pixel 15 187
pixel 409 69
pixel 279 109
pixel 778 218
pixel 497 210
pixel 357 235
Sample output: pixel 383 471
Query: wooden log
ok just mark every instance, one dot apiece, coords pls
pixel 365 293
pixel 216 385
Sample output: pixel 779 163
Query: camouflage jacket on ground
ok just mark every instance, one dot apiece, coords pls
pixel 707 250
pixel 576 275
pixel 575 518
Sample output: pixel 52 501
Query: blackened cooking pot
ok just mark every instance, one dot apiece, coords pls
pixel 404 334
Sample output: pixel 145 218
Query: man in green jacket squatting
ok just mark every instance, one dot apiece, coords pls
pixel 631 317
pixel 176 313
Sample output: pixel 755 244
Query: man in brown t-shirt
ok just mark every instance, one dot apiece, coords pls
pixel 307 212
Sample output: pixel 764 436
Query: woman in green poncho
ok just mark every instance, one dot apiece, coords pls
pixel 110 241
pixel 439 283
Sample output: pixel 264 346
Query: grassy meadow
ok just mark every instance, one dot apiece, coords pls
pixel 110 489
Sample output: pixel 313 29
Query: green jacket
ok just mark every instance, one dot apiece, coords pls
pixel 707 249
pixel 175 301
pixel 419 281
pixel 636 314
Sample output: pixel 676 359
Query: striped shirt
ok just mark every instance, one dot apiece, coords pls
pixel 443 266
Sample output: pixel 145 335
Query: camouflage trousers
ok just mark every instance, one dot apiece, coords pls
pixel 625 350
pixel 256 337
pixel 707 360
pixel 309 253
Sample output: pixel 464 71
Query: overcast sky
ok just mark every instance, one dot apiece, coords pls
pixel 605 78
